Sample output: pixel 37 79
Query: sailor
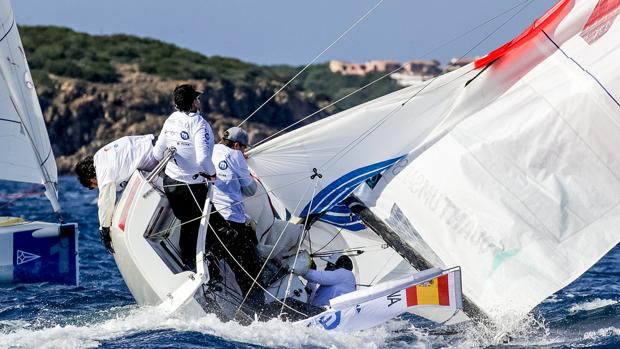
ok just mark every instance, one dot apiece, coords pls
pixel 186 175
pixel 233 183
pixel 234 180
pixel 110 169
pixel 337 279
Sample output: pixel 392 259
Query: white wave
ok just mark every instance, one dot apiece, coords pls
pixel 601 333
pixel 590 305
pixel 132 321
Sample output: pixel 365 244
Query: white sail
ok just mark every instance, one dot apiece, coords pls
pixel 507 167
pixel 26 151
pixel 524 193
pixel 349 147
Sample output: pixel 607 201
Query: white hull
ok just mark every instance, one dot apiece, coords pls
pixel 150 264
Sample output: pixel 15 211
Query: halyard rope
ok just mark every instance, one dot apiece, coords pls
pixel 313 60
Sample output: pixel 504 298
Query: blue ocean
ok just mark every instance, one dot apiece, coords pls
pixel 101 313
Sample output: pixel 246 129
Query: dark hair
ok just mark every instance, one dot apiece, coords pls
pixel 85 171
pixel 184 96
pixel 344 262
pixel 227 142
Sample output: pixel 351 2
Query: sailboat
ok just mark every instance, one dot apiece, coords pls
pixel 486 189
pixel 29 251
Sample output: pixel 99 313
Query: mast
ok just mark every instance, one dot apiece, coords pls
pixel 407 252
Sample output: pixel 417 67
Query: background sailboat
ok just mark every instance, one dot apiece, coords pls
pixel 29 251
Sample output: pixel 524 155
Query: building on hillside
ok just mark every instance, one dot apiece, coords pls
pixel 456 63
pixel 422 68
pixel 361 69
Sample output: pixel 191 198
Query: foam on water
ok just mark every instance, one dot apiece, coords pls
pixel 101 312
pixel 601 333
pixel 591 305
pixel 20 334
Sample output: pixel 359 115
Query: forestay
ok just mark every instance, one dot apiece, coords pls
pixel 27 154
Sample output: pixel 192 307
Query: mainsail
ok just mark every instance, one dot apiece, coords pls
pixel 26 151
pixel 507 167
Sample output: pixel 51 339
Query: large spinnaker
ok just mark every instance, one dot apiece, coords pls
pixel 27 153
pixel 519 147
pixel 523 193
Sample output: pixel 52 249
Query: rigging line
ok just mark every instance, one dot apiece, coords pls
pixel 200 217
pixel 428 53
pixel 194 197
pixel 351 249
pixel 328 106
pixel 250 276
pixel 262 176
pixel 372 281
pixel 329 242
pixel 524 5
pixel 374 127
pixel 273 249
pixel 314 60
pixel 306 230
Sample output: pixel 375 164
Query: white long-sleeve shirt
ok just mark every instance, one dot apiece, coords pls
pixel 233 180
pixel 114 165
pixel 192 137
pixel 333 283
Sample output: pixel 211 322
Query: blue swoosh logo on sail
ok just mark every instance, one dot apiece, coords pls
pixel 339 189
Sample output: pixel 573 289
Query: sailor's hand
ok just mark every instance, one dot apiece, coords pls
pixel 106 240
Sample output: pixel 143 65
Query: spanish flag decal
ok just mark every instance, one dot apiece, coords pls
pixel 435 292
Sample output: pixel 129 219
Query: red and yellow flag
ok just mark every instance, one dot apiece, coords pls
pixel 435 291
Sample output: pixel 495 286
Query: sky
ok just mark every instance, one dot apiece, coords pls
pixel 295 32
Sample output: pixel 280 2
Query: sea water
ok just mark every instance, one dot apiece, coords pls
pixel 101 313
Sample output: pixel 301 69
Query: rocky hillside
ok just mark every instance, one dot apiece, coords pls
pixel 94 89
pixel 82 116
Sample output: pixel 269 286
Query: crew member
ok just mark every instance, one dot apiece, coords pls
pixel 233 182
pixel 186 175
pixel 110 169
pixel 337 279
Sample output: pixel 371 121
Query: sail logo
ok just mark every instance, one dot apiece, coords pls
pixel 601 19
pixel 330 321
pixel 452 215
pixel 394 298
pixel 222 165
pixel 184 135
pixel 25 257
pixel 372 181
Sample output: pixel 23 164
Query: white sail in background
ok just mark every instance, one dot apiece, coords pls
pixel 26 151
pixel 508 167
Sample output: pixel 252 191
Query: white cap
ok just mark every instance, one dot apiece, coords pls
pixel 237 134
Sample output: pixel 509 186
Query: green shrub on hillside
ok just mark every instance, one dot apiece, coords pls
pixel 64 52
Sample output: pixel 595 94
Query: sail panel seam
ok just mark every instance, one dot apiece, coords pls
pixel 13 121
pixel 584 69
pixel 8 31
